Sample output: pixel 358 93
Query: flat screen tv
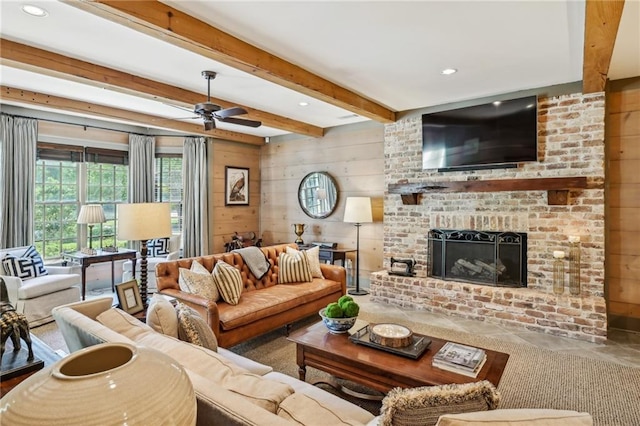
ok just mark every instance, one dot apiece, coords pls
pixel 493 135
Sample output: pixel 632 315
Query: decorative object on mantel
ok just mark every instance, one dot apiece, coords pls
pixel 558 272
pixel 143 222
pixel 402 267
pixel 358 210
pixel 299 228
pixel 102 385
pixel 557 188
pixel 574 265
pixel 90 214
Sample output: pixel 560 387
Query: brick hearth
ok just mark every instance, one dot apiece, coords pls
pixel 570 143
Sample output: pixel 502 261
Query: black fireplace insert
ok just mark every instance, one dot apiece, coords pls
pixel 484 257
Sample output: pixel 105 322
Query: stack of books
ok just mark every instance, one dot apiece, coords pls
pixel 460 359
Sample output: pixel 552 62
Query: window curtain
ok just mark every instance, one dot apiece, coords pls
pixel 195 231
pixel 18 140
pixel 141 163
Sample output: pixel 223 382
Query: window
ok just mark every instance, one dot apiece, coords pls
pixel 63 183
pixel 168 186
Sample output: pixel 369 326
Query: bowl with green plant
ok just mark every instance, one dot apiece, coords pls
pixel 340 316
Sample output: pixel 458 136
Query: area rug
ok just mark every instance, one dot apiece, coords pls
pixel 533 377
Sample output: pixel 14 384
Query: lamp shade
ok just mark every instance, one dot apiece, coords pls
pixel 91 213
pixel 358 210
pixel 144 221
pixel 105 384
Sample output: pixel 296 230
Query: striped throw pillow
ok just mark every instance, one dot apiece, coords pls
pixel 229 282
pixel 313 256
pixel 293 268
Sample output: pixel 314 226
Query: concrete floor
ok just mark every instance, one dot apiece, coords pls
pixel 621 347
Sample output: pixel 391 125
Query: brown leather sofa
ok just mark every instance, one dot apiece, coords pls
pixel 264 304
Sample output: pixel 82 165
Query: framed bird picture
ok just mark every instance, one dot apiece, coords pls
pixel 236 186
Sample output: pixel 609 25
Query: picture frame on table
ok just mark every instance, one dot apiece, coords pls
pixel 236 186
pixel 129 297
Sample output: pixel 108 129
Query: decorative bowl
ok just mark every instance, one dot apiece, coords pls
pixel 337 325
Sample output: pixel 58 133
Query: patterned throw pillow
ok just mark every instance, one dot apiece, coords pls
pixel 194 329
pixel 313 256
pixel 229 282
pixel 28 265
pixel 158 247
pixel 293 268
pixel 198 280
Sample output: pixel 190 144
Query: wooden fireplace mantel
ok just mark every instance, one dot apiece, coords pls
pixel 557 188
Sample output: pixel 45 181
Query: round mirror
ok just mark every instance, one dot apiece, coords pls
pixel 318 195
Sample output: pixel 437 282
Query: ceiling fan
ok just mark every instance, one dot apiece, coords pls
pixel 210 112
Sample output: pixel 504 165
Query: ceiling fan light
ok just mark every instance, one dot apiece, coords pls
pixel 209 125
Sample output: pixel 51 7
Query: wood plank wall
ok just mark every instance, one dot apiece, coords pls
pixel 623 204
pixel 354 156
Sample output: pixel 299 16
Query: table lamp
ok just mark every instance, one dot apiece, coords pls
pixel 90 214
pixel 358 211
pixel 143 222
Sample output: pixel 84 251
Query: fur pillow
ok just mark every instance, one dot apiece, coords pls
pixel 424 405
pixel 293 268
pixel 313 256
pixel 194 329
pixel 198 280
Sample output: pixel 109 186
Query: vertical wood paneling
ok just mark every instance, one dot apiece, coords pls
pixel 623 207
pixel 353 155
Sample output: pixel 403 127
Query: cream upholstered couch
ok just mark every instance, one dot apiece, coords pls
pixel 231 389
pixel 35 297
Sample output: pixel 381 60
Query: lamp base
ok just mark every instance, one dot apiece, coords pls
pixel 358 292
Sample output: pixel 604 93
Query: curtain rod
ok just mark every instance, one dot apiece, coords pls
pixel 101 128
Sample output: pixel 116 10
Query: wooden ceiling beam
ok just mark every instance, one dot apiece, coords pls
pixel 29 58
pixel 81 107
pixel 173 26
pixel 602 19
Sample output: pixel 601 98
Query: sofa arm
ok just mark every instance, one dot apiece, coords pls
pixel 208 309
pixel 13 285
pixel 335 273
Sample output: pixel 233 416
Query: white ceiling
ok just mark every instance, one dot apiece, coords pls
pixel 390 52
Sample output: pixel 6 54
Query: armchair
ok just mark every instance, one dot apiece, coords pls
pixel 156 248
pixel 35 297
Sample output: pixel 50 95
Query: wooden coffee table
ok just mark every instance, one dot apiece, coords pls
pixel 335 354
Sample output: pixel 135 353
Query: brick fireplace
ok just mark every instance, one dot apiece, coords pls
pixel 570 144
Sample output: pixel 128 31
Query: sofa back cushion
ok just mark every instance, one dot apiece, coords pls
pixel 167 272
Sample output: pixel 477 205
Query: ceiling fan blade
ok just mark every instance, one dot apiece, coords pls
pixel 241 122
pixel 224 113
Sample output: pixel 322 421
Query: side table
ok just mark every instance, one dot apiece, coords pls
pixel 86 260
pixel 330 255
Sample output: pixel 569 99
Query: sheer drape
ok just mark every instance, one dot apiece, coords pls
pixel 141 164
pixel 18 140
pixel 195 229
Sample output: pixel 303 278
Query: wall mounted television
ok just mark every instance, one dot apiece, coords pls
pixel 493 135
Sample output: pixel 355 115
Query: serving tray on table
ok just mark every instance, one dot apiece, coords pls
pixel 414 350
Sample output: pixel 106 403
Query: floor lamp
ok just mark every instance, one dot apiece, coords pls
pixel 358 211
pixel 143 222
pixel 90 214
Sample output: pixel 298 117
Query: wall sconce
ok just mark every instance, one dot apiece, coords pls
pixel 574 265
pixel 558 272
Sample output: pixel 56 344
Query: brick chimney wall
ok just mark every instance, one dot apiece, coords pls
pixel 570 143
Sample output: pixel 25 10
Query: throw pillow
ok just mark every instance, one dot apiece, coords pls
pixel 424 405
pixel 158 247
pixel 198 280
pixel 194 329
pixel 313 256
pixel 162 317
pixel 293 268
pixel 26 266
pixel 229 282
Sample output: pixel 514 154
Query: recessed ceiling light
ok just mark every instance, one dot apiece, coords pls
pixel 448 71
pixel 303 103
pixel 496 103
pixel 34 10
